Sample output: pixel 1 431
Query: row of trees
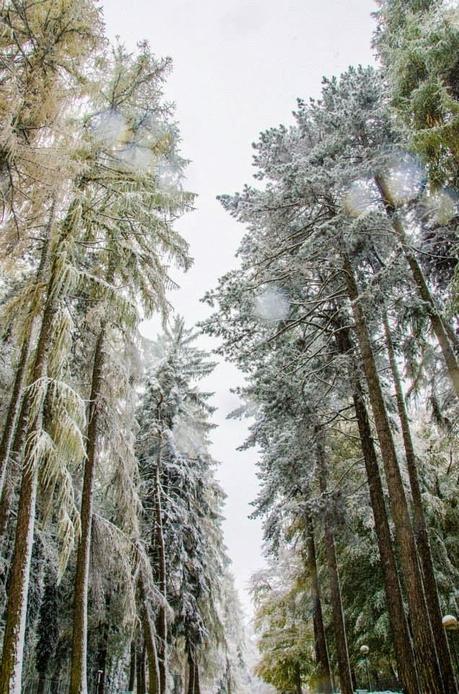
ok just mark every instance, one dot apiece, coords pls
pixel 113 571
pixel 343 316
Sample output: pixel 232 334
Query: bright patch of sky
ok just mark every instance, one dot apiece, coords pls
pixel 239 66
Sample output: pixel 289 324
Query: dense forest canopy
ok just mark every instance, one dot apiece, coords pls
pixel 341 312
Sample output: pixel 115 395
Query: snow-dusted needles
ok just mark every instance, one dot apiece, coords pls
pixel 272 305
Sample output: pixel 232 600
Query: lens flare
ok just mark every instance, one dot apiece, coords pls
pixel 360 198
pixel 272 305
pixel 109 127
pixel 442 206
pixel 405 178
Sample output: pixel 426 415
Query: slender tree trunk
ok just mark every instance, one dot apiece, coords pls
pixel 335 588
pixel 424 644
pixel 193 674
pixel 420 526
pixel 229 678
pixel 78 675
pixel 161 623
pixel 17 447
pixel 438 326
pixel 399 626
pixel 150 642
pixel 141 689
pixel 324 674
pixel 298 687
pixel 13 410
pixel 16 398
pixel 41 685
pixel 132 667
pixel 197 683
pixel 13 641
pixel 102 660
pixel 177 689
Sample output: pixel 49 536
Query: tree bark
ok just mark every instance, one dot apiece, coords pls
pixel 78 675
pixel 132 667
pixel 438 326
pixel 141 689
pixel 420 526
pixel 161 622
pixel 298 687
pixel 324 673
pixel 13 642
pixel 399 627
pixel 150 642
pixel 102 658
pixel 424 644
pixel 194 686
pixel 335 588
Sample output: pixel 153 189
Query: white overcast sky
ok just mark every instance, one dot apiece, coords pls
pixel 239 66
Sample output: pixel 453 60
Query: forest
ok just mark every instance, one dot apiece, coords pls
pixel 341 313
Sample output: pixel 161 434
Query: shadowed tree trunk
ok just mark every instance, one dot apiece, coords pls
pixel 161 622
pixel 399 627
pixel 78 676
pixel 48 632
pixel 320 642
pixel 194 686
pixel 339 626
pixel 13 641
pixel 149 636
pixel 102 656
pixel 132 667
pixel 420 526
pixel 140 666
pixel 298 687
pixel 424 645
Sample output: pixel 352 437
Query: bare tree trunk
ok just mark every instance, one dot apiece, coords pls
pixel 420 526
pixel 197 683
pixel 335 588
pixel 193 674
pixel 13 410
pixel 132 667
pixel 161 622
pixel 141 689
pixel 13 641
pixel 400 633
pixel 150 642
pixel 424 644
pixel 438 326
pixel 78 676
pixel 321 650
pixel 102 659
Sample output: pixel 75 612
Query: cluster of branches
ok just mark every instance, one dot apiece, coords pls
pixel 112 554
pixel 343 316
